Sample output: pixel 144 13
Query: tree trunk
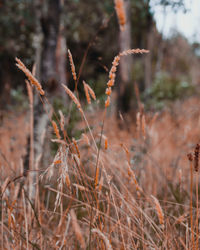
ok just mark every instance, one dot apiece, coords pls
pixel 50 27
pixel 123 99
pixel 48 15
pixel 61 52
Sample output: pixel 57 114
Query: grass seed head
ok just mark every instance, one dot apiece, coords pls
pixel 72 65
pixel 196 157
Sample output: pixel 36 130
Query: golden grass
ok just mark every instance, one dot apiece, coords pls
pixel 121 14
pixel 125 195
pixel 30 76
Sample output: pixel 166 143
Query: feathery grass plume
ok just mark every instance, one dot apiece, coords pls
pixel 86 92
pixel 89 91
pixel 196 157
pixel 112 73
pixel 77 229
pixel 73 97
pixel 57 162
pixel 108 91
pixel 80 187
pixel 67 180
pixel 56 130
pixel 144 126
pixel 72 65
pixel 105 239
pixel 158 210
pixel 59 141
pixel 106 143
pixel 29 75
pixel 111 82
pixel 128 156
pixel 62 120
pixel 133 51
pixel 85 138
pixel 121 14
pixel 107 102
pixel 76 147
pixel 132 174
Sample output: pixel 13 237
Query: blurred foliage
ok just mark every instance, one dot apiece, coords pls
pixel 19 101
pixel 166 88
pixel 92 24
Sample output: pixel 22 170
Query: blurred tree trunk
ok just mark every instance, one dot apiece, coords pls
pixel 48 13
pixel 49 70
pixel 61 55
pixel 124 93
pixel 50 20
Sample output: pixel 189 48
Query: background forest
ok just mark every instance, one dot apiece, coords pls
pixel 87 28
pixel 119 171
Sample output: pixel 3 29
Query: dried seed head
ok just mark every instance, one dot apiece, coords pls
pixel 196 157
pixel 29 75
pixel 107 102
pixel 190 157
pixel 108 91
pixel 86 139
pixel 72 65
pixel 77 229
pixel 67 180
pixel 133 51
pixel 86 92
pixel 76 147
pixel 158 210
pixel 121 15
pixel 73 97
pixel 62 120
pixel 110 83
pixel 106 143
pixel 91 92
pixel 56 130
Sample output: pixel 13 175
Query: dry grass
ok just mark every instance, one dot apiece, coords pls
pixel 129 188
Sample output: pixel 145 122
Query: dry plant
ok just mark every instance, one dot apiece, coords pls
pixel 108 189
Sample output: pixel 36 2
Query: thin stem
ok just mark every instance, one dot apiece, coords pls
pixel 191 208
pixel 197 212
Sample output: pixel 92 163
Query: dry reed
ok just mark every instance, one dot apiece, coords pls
pixel 29 75
pixel 56 130
pixel 72 65
pixel 89 91
pixel 73 97
pixel 77 229
pixel 159 211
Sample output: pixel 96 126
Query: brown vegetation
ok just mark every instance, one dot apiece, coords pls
pixel 112 188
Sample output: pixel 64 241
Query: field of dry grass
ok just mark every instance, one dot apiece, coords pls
pixel 116 187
